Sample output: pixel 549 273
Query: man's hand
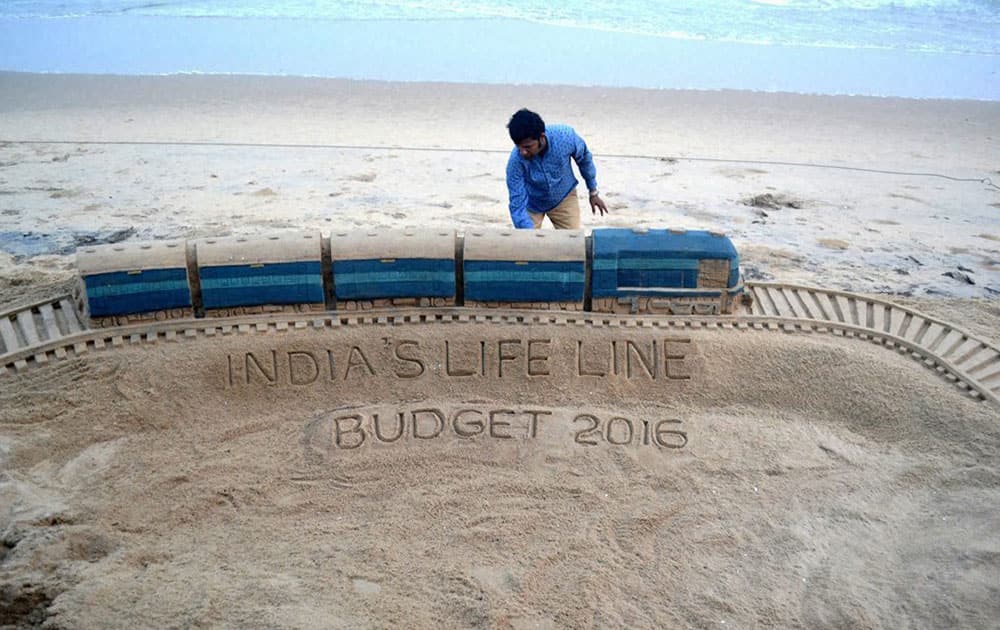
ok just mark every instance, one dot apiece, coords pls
pixel 596 203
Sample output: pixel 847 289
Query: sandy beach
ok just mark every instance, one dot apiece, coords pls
pixel 821 482
pixel 190 156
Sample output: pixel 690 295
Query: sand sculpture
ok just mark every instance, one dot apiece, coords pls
pixel 533 464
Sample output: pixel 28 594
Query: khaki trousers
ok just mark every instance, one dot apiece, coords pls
pixel 565 216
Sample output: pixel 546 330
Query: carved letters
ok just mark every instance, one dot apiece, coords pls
pixel 351 429
pixel 664 360
pixel 661 359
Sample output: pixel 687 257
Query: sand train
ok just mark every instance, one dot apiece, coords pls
pixel 647 271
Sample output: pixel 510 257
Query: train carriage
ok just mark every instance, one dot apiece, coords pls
pixel 525 269
pixel 386 268
pixel 664 271
pixel 252 275
pixel 131 283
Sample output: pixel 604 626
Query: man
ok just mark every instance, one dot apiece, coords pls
pixel 540 178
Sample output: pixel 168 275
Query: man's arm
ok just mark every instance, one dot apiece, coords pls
pixel 518 195
pixel 585 162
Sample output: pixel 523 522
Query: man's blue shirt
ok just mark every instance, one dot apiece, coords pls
pixel 541 183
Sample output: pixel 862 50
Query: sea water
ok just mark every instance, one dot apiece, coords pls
pixel 911 48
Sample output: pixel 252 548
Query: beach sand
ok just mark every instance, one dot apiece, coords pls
pixel 766 480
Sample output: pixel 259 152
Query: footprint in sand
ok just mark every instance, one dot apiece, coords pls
pixel 469 217
pixel 908 198
pixel 833 243
pixel 265 192
pixel 480 198
pixel 773 202
pixel 885 222
pixel 989 237
pixel 739 173
pixel 704 215
pixel 362 177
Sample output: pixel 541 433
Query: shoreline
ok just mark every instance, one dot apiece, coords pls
pixel 512 85
pixel 481 51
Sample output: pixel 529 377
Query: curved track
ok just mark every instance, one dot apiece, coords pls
pixel 972 362
pixel 51 329
pixel 37 330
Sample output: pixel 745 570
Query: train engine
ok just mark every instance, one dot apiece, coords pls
pixel 675 272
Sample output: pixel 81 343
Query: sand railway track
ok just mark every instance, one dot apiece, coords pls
pixel 51 329
pixel 37 330
pixel 972 363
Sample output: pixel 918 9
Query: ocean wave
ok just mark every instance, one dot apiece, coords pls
pixel 963 26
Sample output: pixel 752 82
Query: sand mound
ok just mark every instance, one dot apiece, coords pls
pixel 474 475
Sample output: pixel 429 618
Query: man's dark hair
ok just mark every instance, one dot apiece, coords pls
pixel 525 124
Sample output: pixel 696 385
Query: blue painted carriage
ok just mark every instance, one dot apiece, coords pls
pixel 123 283
pixel 678 272
pixel 525 269
pixel 384 268
pixel 248 275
